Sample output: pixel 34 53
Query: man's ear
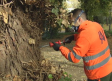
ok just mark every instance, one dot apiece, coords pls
pixel 80 19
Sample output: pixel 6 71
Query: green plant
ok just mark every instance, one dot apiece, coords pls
pixel 96 7
pixel 50 76
pixel 52 22
pixel 66 77
pixel 108 33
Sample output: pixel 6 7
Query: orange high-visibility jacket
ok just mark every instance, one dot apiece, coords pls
pixel 92 46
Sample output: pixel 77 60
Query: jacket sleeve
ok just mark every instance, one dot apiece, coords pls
pixel 79 50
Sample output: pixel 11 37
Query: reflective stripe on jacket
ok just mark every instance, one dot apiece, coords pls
pixel 92 46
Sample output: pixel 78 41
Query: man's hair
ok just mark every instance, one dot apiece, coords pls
pixel 75 13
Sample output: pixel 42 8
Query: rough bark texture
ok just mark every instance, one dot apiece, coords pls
pixel 16 52
pixel 20 57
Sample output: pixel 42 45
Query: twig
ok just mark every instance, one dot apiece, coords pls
pixel 26 76
pixel 6 4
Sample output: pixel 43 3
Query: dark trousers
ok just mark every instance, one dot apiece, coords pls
pixel 106 78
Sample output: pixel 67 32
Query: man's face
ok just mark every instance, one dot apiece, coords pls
pixel 75 23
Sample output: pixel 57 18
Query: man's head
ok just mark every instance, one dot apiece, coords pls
pixel 77 16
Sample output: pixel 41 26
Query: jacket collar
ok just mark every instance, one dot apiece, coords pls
pixel 83 25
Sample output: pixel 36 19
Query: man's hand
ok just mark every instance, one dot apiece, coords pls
pixel 69 39
pixel 56 46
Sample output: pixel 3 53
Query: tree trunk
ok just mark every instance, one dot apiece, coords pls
pixel 110 22
pixel 17 55
pixel 107 21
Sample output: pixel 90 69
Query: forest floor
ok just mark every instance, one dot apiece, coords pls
pixel 76 70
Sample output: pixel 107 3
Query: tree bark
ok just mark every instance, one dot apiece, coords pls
pixel 107 21
pixel 19 45
pixel 110 22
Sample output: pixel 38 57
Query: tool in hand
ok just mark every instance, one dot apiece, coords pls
pixel 58 42
pixel 51 44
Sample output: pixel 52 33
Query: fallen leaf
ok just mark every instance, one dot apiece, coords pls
pixel 53 70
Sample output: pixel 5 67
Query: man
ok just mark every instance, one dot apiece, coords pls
pixel 91 45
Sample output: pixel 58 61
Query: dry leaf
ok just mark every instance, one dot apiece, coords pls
pixel 65 22
pixel 43 63
pixel 31 41
pixel 53 70
pixel 1 13
pixel 62 10
pixel 5 15
pixel 16 78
